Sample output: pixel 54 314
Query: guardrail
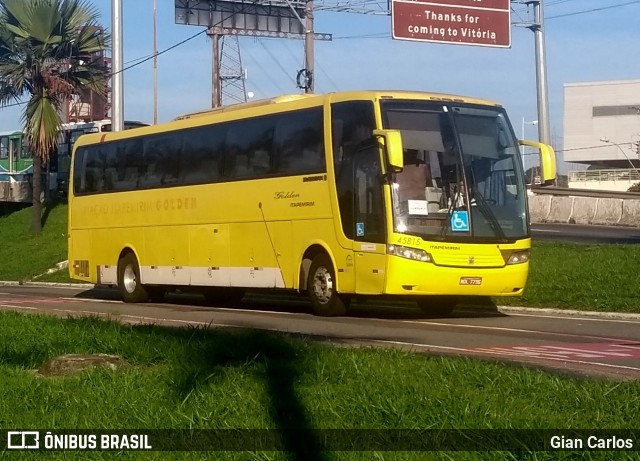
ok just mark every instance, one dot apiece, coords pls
pixel 583 206
pixel 550 190
pixel 620 174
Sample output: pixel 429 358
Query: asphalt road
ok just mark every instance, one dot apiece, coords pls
pixel 585 234
pixel 575 344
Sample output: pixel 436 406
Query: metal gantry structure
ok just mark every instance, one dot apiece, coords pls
pixel 382 7
pixel 232 78
pixel 229 76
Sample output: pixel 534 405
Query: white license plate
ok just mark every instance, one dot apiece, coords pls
pixel 470 280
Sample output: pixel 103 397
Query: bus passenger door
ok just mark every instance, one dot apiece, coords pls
pixel 369 219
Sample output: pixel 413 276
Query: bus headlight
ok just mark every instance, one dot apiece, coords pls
pixel 519 257
pixel 409 253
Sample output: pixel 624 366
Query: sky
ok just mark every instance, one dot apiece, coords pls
pixel 586 41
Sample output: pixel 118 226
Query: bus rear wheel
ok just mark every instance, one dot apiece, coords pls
pixel 129 280
pixel 438 306
pixel 321 288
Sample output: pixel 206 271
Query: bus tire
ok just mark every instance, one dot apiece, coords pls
pixel 321 288
pixel 438 306
pixel 129 280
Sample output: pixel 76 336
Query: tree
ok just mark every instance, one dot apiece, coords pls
pixel 49 51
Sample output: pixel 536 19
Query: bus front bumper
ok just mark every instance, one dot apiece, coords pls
pixel 416 278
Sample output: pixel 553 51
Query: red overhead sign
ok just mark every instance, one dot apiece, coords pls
pixel 462 22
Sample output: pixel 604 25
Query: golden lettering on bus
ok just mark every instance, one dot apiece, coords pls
pixel 98 209
pixel 285 195
pixel 176 204
pixel 131 207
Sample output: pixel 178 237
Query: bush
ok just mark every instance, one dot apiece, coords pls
pixel 635 188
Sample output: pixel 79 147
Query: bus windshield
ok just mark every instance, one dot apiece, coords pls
pixel 462 178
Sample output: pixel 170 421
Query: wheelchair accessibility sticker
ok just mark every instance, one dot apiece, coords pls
pixel 460 221
pixel 360 229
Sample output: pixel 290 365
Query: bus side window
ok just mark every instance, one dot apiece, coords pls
pixel 4 147
pixel 298 143
pixel 95 166
pixel 21 148
pixel 369 202
pixel 352 123
pixel 161 155
pixel 249 144
pixel 110 167
pixel 129 163
pixel 202 154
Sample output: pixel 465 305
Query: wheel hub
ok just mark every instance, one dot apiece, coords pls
pixel 322 285
pixel 129 279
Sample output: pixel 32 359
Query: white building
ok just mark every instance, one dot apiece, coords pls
pixel 602 129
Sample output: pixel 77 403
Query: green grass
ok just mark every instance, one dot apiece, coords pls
pixel 23 255
pixel 587 277
pixel 562 275
pixel 203 379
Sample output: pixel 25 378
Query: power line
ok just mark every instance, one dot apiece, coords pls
pixel 594 147
pixel 592 10
pixel 277 62
pixel 161 52
pixel 265 72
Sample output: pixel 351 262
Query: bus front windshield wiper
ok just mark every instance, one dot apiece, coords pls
pixel 447 222
pixel 485 209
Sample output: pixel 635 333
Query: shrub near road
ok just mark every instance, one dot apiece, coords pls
pixel 562 275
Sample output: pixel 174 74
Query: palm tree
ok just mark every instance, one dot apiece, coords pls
pixel 49 51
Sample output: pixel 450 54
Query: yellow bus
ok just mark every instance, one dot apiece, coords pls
pixel 367 193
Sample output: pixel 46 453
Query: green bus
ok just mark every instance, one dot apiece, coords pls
pixel 16 160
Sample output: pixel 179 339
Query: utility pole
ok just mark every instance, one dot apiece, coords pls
pixel 544 131
pixel 216 87
pixel 117 108
pixel 155 66
pixel 308 48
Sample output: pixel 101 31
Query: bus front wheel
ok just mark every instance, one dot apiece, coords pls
pixel 129 280
pixel 321 287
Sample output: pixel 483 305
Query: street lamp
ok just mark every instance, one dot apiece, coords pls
pixel 608 141
pixel 117 83
pixel 533 122
pixel 155 65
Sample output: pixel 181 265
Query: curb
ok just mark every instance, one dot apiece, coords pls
pixel 569 312
pixel 48 284
pixel 501 309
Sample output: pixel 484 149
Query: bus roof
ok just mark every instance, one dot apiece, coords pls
pixel 378 94
pixel 11 133
pixel 99 124
pixel 246 105
pixel 261 107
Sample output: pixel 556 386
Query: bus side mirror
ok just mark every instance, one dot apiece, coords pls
pixel 392 141
pixel 547 160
